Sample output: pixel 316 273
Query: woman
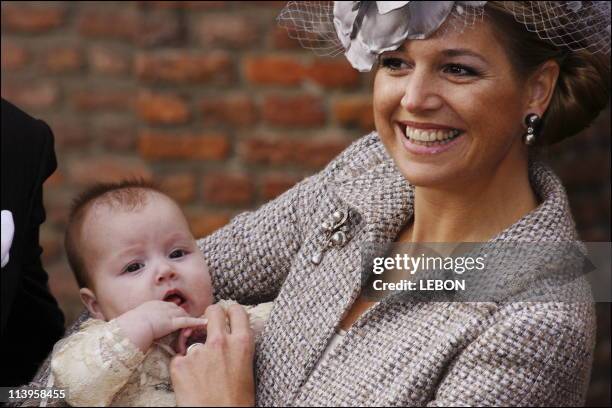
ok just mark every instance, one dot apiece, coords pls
pixel 492 90
pixel 483 77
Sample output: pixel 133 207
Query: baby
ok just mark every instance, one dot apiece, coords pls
pixel 143 279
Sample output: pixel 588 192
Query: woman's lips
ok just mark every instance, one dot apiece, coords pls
pixel 418 148
pixel 419 125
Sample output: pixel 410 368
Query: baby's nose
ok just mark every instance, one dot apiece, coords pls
pixel 166 273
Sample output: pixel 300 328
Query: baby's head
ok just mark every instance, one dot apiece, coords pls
pixel 128 243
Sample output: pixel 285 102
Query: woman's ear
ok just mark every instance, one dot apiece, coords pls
pixel 91 303
pixel 542 87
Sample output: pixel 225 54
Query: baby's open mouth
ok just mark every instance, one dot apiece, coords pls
pixel 175 296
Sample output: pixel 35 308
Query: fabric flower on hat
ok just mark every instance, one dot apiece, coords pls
pixel 367 28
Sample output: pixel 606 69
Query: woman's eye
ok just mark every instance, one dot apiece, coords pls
pixel 177 253
pixel 393 64
pixel 133 267
pixel 460 70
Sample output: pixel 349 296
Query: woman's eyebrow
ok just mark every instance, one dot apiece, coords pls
pixel 454 52
pixel 458 52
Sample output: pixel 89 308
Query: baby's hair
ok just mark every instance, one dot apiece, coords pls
pixel 126 195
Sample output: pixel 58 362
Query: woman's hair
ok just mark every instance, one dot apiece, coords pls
pixel 583 86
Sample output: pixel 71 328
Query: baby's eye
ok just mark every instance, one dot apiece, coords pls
pixel 177 253
pixel 133 267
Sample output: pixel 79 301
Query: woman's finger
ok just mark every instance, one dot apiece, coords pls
pixel 238 320
pixel 182 340
pixel 217 321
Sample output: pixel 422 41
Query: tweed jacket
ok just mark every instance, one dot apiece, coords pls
pixel 411 354
pixel 396 353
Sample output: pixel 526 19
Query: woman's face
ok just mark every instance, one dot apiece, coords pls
pixel 455 87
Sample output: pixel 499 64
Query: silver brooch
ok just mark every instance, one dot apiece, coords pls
pixel 335 234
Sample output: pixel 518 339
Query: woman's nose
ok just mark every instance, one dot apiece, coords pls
pixel 420 93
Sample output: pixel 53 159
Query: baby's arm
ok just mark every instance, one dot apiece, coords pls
pixel 153 320
pixel 95 363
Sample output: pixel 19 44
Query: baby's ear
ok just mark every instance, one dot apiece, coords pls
pixel 91 303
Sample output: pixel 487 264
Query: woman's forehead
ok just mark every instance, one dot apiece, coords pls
pixel 476 41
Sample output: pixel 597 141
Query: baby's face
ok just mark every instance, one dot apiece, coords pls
pixel 134 256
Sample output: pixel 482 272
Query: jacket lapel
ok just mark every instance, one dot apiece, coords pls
pixel 380 203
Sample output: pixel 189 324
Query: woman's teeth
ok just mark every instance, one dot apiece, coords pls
pixel 430 137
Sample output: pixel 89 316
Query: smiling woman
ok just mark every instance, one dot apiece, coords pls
pixel 459 99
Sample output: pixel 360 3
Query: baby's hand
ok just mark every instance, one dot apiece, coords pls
pixel 153 320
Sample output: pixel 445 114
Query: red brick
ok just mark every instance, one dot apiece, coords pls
pixel 52 244
pixel 285 151
pixel 204 223
pixel 157 28
pixel 156 145
pixel 14 57
pixel 227 30
pixel 121 23
pixel 162 108
pixel 89 170
pixel 189 5
pixel 272 4
pixel 69 133
pixel 179 186
pixel 108 61
pixel 64 288
pixel 204 5
pixel 273 70
pixel 55 180
pixel 57 206
pixel 300 110
pixel 33 19
pixel 282 39
pixel 66 59
pixel 230 189
pixel 103 99
pixel 119 137
pixel 234 109
pixel 355 111
pixel 337 73
pixel 26 95
pixel 274 185
pixel 180 67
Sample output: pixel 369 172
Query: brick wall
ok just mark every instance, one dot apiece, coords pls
pixel 218 104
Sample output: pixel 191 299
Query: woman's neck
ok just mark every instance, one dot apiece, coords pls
pixel 471 211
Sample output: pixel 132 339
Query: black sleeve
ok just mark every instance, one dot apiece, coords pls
pixel 35 322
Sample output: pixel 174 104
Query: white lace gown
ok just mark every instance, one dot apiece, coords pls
pixel 99 366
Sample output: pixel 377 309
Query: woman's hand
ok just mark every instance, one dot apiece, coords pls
pixel 220 371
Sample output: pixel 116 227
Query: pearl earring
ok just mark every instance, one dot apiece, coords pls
pixel 532 121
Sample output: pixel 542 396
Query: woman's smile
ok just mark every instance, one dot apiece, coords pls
pixel 430 141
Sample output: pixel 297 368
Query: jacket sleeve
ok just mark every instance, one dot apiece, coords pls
pixel 35 303
pixel 94 364
pixel 538 356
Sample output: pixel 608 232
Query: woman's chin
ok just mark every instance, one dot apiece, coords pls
pixel 426 174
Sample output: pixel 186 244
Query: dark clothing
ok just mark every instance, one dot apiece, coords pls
pixel 31 319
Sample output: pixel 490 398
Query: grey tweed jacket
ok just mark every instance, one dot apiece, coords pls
pixel 397 353
pixel 400 354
